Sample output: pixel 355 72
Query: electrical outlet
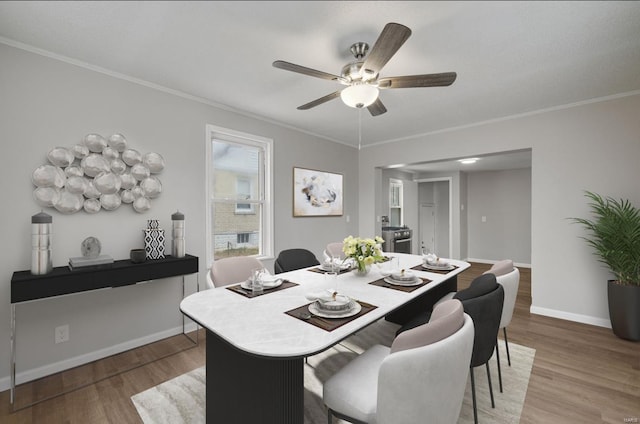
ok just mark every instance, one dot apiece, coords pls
pixel 62 334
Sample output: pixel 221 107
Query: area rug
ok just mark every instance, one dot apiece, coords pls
pixel 182 399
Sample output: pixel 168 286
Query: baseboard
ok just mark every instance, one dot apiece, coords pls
pixel 568 316
pixel 35 373
pixel 491 262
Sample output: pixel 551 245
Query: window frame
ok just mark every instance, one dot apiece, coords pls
pixel 266 241
pixel 396 189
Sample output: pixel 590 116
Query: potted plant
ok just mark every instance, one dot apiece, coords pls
pixel 614 234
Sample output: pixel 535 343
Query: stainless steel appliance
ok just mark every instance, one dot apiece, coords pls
pixel 397 239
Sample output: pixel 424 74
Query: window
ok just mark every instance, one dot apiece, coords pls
pixel 239 187
pixel 395 202
pixel 243 188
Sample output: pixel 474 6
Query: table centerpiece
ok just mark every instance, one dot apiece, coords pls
pixel 363 252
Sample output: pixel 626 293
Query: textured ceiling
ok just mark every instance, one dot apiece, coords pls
pixel 511 57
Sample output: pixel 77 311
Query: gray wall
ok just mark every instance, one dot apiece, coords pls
pixel 589 146
pixel 47 103
pixel 441 199
pixel 504 198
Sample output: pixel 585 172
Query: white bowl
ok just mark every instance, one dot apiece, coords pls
pixel 341 302
pixel 403 275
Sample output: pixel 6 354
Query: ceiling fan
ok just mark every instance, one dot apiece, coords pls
pixel 362 75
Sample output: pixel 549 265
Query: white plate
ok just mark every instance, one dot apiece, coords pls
pixel 315 310
pixel 265 284
pixel 438 267
pixel 415 282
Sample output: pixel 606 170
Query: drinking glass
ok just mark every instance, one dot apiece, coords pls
pixel 257 287
pixel 394 264
pixel 335 264
pixel 331 278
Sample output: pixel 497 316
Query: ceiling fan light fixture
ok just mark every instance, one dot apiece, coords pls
pixel 359 95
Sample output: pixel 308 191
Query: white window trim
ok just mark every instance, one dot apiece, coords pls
pixel 399 184
pixel 267 223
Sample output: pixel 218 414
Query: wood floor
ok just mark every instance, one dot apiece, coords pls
pixel 581 373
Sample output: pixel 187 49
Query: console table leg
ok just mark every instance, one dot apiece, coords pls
pixel 13 353
pixel 197 339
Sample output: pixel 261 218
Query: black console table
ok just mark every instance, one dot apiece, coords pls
pixel 26 287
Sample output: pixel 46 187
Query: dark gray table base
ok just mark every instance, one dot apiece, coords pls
pixel 422 303
pixel 245 388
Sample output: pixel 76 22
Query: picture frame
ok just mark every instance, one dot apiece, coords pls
pixel 317 193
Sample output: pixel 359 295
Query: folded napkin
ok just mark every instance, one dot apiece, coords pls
pixel 402 274
pixel 435 261
pixel 337 263
pixel 326 296
pixel 268 278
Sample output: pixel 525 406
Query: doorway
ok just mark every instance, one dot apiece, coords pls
pixel 427 228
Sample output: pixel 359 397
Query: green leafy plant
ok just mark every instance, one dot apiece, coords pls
pixel 615 236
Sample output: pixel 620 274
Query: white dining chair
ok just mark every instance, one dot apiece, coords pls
pixel 508 276
pixel 226 271
pixel 334 250
pixel 421 378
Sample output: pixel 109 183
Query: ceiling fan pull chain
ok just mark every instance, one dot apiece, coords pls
pixel 359 128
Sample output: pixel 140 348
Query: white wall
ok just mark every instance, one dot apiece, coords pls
pixel 504 199
pixel 46 103
pixel 592 146
pixel 456 186
pixel 437 194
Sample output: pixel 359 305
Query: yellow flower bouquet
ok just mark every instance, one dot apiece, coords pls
pixel 363 251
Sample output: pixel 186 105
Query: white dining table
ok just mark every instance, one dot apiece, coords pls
pixel 255 350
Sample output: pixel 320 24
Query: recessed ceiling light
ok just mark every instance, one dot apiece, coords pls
pixel 468 161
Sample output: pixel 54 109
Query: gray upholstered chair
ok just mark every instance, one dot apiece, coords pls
pixel 421 378
pixel 508 277
pixel 482 301
pixel 232 270
pixel 292 259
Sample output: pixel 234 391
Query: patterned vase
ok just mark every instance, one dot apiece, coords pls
pixel 154 243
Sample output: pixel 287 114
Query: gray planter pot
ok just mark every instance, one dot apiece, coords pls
pixel 624 310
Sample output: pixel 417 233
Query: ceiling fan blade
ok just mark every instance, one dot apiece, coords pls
pixel 320 101
pixel 376 108
pixel 281 64
pixel 390 40
pixel 426 80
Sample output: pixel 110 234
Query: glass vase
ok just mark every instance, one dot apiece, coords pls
pixel 361 269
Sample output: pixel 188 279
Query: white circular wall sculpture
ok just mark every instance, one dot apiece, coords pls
pixel 98 174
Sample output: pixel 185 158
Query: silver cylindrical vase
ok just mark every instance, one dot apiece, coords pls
pixel 41 234
pixel 177 235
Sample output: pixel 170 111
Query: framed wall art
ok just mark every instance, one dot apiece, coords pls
pixel 316 193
